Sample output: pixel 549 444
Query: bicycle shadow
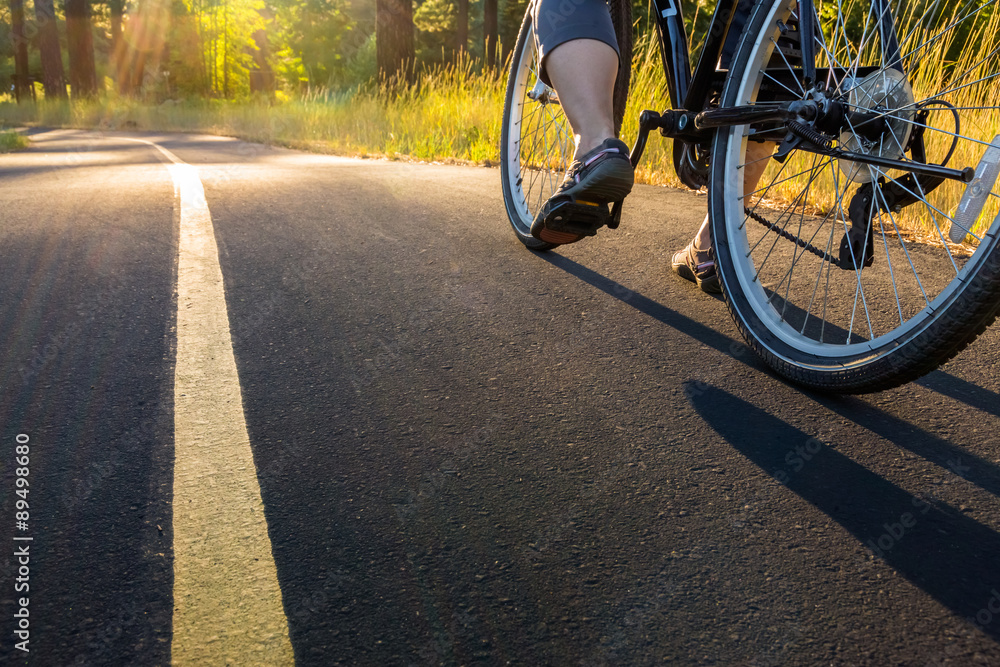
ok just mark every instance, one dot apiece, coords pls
pixel 933 545
pixel 673 319
pixel 961 390
pixel 979 471
pixel 953 458
pixel 938 381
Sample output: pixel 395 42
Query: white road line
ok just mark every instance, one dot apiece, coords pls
pixel 227 602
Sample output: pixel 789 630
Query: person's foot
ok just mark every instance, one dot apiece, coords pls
pixel 580 206
pixel 698 266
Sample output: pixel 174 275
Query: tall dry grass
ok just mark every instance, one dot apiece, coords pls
pixel 648 90
pixel 452 112
pixel 968 81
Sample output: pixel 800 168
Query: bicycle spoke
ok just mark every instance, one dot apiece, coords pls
pixel 531 156
pixel 799 253
pixel 964 137
pixel 945 30
pixel 859 287
pixel 802 90
pixel 784 180
pixel 923 199
pixel 819 277
pixel 790 207
pixel 906 56
pixel 902 243
pixel 888 263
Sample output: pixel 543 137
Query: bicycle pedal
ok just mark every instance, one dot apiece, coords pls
pixel 576 217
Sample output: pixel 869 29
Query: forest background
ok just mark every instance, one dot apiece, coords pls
pixel 398 78
pixel 306 73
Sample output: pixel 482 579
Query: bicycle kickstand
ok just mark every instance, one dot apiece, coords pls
pixel 648 121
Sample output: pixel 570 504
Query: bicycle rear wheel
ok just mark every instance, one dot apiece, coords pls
pixel 842 275
pixel 536 141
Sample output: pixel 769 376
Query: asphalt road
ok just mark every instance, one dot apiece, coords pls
pixel 466 453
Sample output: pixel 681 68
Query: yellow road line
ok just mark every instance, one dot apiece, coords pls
pixel 227 602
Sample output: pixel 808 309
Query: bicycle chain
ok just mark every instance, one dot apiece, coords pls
pixel 792 237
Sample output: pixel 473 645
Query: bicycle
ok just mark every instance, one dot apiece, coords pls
pixel 867 253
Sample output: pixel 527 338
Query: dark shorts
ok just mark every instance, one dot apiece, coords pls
pixel 559 21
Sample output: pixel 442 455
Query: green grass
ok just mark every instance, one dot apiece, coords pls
pixel 12 141
pixel 454 113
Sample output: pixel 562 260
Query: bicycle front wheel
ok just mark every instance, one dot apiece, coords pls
pixel 536 141
pixel 845 275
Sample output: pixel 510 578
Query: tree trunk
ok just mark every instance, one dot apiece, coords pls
pixel 117 8
pixel 225 52
pixel 262 74
pixel 198 13
pixel 80 45
pixel 20 43
pixel 48 48
pixel 490 31
pixel 213 51
pixel 137 72
pixel 462 27
pixel 394 49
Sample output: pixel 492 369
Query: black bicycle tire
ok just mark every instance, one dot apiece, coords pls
pixel 621 18
pixel 966 313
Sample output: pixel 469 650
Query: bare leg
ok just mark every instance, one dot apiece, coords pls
pixel 754 169
pixel 583 72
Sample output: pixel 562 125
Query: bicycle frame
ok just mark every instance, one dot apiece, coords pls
pixel 693 91
pixel 691 122
pixel 689 91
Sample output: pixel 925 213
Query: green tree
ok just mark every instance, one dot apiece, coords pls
pixel 491 33
pixel 461 25
pixel 316 38
pixel 224 32
pixel 511 15
pixel 435 21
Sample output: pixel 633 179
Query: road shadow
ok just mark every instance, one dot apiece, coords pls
pixel 681 323
pixel 936 547
pixel 962 391
pixel 953 458
pixel 939 451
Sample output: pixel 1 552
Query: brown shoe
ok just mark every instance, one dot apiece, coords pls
pixel 698 266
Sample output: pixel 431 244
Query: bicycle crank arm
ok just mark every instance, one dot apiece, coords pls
pixel 648 121
pixel 729 116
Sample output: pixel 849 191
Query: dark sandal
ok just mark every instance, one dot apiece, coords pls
pixel 580 206
pixel 698 266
